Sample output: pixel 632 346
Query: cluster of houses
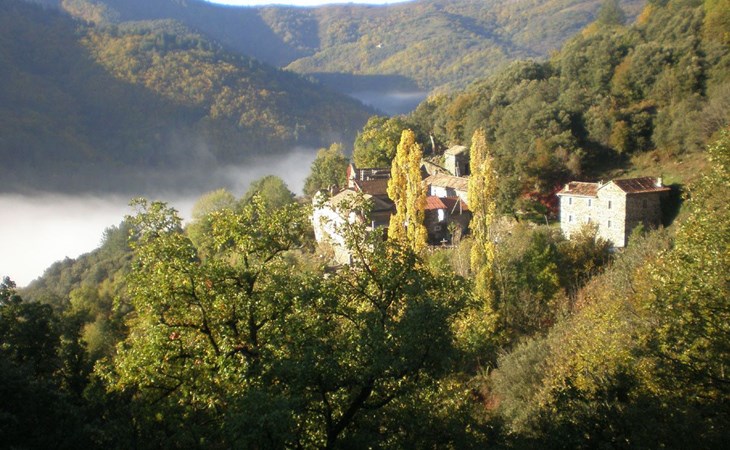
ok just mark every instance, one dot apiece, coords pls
pixel 446 213
pixel 615 208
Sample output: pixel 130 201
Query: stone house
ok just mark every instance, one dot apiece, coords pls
pixel 330 215
pixel 456 161
pixel 616 207
pixel 442 185
pixel 442 211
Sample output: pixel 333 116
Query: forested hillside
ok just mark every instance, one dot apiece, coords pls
pixel 235 330
pixel 131 100
pixel 423 44
pixel 616 98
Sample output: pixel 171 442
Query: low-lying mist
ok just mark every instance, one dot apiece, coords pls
pixel 391 102
pixel 42 228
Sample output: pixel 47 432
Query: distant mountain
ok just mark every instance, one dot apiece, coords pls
pixel 138 104
pixel 424 44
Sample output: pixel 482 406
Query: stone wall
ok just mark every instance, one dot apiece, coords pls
pixel 645 209
pixel 575 212
pixel 611 214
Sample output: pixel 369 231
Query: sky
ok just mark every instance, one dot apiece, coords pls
pixel 301 2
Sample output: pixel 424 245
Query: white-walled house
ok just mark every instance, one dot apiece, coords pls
pixel 330 215
pixel 616 207
pixel 442 185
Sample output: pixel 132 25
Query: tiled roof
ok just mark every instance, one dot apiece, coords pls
pixel 443 180
pixel 580 188
pixel 455 204
pixel 433 202
pixel 640 185
pixel 373 187
pixel 347 196
pixel 628 185
pixel 381 203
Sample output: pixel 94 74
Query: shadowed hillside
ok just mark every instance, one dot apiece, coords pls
pixel 144 104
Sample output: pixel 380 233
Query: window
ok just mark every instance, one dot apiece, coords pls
pixel 609 224
pixel 570 200
pixel 609 204
pixel 588 220
pixel 570 218
pixel 589 202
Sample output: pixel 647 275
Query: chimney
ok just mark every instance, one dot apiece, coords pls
pixel 659 182
pixel 567 187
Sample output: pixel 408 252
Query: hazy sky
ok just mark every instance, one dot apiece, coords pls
pixel 301 2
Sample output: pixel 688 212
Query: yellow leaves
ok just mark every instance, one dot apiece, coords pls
pixel 482 188
pixel 407 192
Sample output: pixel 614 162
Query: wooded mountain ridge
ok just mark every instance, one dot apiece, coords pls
pixel 424 44
pixel 144 104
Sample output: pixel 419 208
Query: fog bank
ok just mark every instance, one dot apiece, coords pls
pixel 38 230
pixel 391 102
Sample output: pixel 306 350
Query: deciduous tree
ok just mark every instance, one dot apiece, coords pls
pixel 482 191
pixel 328 170
pixel 406 190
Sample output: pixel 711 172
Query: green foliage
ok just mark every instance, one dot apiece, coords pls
pixel 395 47
pixel 329 169
pixel 266 355
pixel 200 228
pixel 686 302
pixel 611 14
pixel 442 43
pixel 271 190
pixel 43 372
pixel 376 144
pixel 609 94
pixel 642 360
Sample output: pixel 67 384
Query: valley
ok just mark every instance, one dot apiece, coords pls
pixel 440 224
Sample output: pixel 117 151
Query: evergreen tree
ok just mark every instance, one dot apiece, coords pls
pixel 408 194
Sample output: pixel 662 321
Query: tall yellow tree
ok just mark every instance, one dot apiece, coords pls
pixel 482 190
pixel 408 194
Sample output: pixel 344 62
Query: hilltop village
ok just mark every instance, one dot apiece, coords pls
pixel 614 208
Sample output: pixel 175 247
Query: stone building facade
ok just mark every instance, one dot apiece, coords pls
pixel 442 185
pixel 456 161
pixel 616 207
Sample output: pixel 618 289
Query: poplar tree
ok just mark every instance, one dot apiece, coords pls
pixel 407 192
pixel 481 191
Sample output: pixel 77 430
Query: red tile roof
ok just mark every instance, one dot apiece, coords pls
pixel 640 185
pixel 628 185
pixel 433 202
pixel 455 204
pixel 580 188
